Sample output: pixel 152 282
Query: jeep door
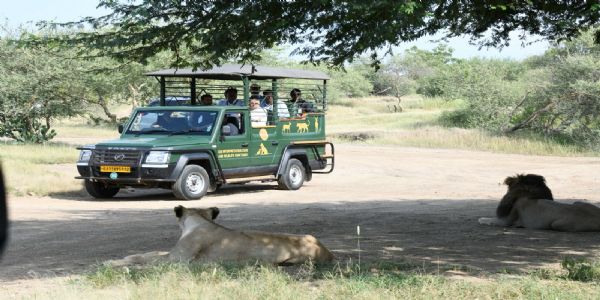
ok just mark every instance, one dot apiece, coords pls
pixel 233 149
pixel 264 145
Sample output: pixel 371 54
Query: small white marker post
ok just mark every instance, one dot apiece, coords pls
pixel 358 244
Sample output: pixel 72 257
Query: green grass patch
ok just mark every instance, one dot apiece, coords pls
pixel 581 270
pixel 338 281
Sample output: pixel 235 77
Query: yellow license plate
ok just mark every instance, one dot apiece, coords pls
pixel 117 169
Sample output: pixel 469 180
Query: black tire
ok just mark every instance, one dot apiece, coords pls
pixel 100 190
pixel 293 176
pixel 192 184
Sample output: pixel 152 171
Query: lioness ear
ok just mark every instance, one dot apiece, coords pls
pixel 215 212
pixel 178 211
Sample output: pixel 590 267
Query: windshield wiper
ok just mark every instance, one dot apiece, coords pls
pixel 181 132
pixel 151 131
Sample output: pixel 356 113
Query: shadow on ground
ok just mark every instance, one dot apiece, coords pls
pixel 132 194
pixel 440 234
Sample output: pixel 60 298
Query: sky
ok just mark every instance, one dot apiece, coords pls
pixel 28 12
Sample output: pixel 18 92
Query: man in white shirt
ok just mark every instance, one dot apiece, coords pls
pixel 258 115
pixel 267 103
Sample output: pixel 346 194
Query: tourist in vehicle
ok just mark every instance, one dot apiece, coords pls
pixel 267 103
pixel 163 120
pixel 233 124
pixel 255 91
pixel 231 99
pixel 299 105
pixel 258 115
pixel 206 100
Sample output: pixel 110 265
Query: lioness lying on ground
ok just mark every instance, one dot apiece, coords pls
pixel 203 240
pixel 528 203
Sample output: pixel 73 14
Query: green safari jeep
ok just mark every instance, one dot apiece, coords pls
pixel 194 149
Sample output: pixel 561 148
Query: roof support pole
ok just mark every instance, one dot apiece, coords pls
pixel 246 82
pixel 324 95
pixel 193 90
pixel 162 91
pixel 275 89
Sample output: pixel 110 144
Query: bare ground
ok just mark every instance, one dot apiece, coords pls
pixel 417 205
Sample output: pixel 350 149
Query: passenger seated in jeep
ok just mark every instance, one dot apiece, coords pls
pixel 231 99
pixel 298 105
pixel 163 121
pixel 258 115
pixel 255 91
pixel 267 103
pixel 231 122
pixel 206 100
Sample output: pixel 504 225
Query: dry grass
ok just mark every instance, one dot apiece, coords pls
pixel 178 281
pixel 39 169
pixel 419 126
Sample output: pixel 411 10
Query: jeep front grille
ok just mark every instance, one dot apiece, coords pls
pixel 116 157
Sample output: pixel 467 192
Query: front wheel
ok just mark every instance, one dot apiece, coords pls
pixel 192 184
pixel 293 176
pixel 100 190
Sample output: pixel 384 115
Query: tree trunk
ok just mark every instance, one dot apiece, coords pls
pixel 104 105
pixel 530 119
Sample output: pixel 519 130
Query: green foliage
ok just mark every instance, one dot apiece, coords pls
pixel 36 88
pixel 425 72
pixel 489 88
pixel 581 270
pixel 40 85
pixel 351 82
pixel 205 33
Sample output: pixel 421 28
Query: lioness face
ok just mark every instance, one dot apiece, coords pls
pixel 207 213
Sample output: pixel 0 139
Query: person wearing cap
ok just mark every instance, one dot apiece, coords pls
pixel 298 104
pixel 231 98
pixel 267 103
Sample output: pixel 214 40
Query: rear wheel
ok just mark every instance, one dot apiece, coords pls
pixel 100 190
pixel 293 176
pixel 192 184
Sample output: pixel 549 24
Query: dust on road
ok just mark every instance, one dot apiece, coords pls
pixel 413 204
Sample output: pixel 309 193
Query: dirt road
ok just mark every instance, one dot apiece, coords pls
pixel 420 205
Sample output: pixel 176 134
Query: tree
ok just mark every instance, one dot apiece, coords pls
pixel 35 89
pixel 39 86
pixel 556 95
pixel 203 33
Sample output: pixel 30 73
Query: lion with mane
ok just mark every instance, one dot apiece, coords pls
pixel 529 203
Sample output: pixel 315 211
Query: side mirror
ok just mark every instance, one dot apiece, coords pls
pixel 120 128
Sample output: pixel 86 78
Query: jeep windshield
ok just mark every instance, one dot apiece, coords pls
pixel 172 122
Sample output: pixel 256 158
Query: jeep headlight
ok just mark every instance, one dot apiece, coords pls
pixel 157 157
pixel 85 155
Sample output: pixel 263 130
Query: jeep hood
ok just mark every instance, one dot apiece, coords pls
pixel 157 141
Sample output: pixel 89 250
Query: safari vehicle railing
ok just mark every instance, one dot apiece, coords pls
pixel 194 83
pixel 329 155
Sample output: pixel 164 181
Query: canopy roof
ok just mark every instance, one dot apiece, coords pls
pixel 235 72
